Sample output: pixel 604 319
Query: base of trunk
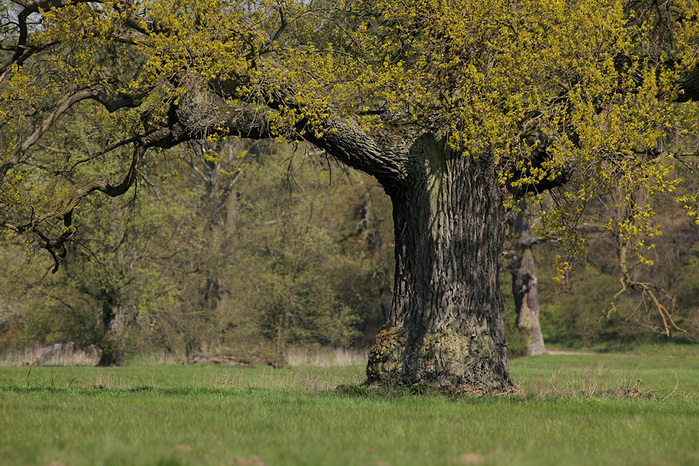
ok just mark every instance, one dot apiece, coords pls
pixel 444 359
pixel 535 340
pixel 112 352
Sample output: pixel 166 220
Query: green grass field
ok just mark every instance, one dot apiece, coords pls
pixel 640 408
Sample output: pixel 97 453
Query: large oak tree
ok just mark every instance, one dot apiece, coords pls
pixel 457 108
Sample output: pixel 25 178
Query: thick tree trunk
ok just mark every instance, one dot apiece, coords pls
pixel 446 325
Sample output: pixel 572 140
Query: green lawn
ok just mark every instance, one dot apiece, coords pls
pixel 645 410
pixel 654 372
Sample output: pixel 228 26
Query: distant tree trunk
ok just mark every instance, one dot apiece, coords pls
pixel 524 286
pixel 110 298
pixel 112 344
pixel 192 348
pixel 446 324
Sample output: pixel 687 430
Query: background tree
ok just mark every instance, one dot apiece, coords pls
pixel 295 247
pixel 525 284
pixel 577 309
pixel 454 109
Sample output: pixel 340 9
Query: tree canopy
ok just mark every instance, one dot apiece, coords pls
pixel 584 92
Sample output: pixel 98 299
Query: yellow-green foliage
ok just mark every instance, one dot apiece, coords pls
pixel 591 83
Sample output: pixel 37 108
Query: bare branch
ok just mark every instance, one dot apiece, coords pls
pixel 647 289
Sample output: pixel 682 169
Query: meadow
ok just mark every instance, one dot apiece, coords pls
pixel 639 408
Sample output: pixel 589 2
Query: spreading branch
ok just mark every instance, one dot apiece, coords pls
pixel 648 289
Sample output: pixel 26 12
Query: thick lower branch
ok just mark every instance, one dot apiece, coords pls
pixel 341 137
pixel 349 144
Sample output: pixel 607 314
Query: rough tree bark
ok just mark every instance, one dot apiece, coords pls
pixel 446 324
pixel 524 286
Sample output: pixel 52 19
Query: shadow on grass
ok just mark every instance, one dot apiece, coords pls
pixel 139 390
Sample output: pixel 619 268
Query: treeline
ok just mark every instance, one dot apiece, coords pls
pixel 247 249
pixel 242 248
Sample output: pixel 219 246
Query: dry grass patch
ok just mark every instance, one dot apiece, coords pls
pixel 326 357
pixel 58 354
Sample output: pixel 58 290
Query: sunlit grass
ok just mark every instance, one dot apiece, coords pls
pixel 192 415
pixel 651 373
